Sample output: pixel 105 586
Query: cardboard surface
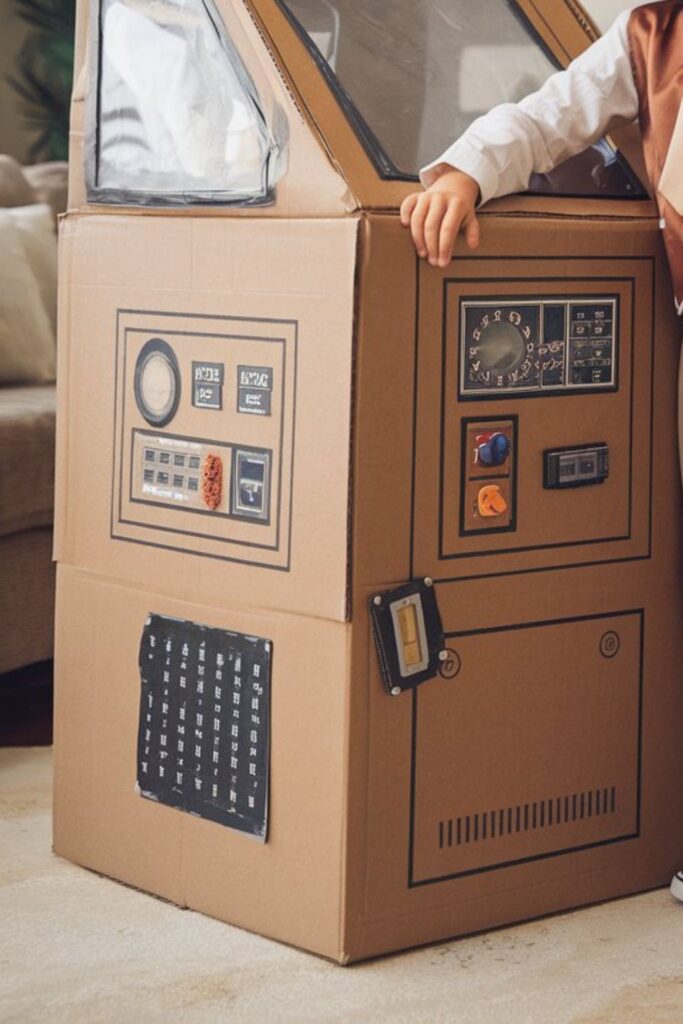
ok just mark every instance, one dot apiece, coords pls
pixel 526 628
pixel 288 888
pixel 215 304
pixel 541 770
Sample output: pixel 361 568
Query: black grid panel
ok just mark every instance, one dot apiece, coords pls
pixel 203 739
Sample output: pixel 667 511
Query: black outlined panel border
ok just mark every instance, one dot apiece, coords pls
pixel 283 332
pixel 629 835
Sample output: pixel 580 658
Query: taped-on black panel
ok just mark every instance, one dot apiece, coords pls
pixel 203 739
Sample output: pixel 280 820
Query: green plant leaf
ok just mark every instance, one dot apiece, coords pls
pixel 43 74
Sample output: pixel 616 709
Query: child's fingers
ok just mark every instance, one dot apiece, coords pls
pixel 407 208
pixel 417 223
pixel 450 225
pixel 432 225
pixel 472 232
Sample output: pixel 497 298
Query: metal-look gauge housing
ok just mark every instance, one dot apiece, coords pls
pixel 526 345
pixel 157 382
pixel 502 346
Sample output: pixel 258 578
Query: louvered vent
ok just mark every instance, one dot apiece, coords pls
pixel 541 814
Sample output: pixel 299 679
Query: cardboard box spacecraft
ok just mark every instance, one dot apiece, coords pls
pixel 369 585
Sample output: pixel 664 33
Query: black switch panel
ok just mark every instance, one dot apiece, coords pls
pixel 575 466
pixel 251 484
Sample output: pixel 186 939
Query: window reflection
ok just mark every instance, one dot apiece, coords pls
pixel 177 112
pixel 412 75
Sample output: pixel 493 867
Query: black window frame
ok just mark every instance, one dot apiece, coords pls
pixel 112 196
pixel 376 152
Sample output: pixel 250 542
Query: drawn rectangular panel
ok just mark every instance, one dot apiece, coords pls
pixel 512 764
pixel 203 741
pixel 527 346
pixel 192 472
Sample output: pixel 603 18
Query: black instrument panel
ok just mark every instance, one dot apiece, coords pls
pixel 539 346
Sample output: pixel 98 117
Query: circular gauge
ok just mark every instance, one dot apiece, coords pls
pixel 157 382
pixel 502 348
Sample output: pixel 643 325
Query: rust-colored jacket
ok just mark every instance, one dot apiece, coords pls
pixel 656 41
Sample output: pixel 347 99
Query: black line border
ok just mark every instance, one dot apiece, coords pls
pixel 515 258
pixel 465 423
pixel 204 511
pixel 574 393
pixel 293 325
pixel 418 883
pixel 564 391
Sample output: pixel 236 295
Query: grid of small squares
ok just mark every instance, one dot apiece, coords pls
pixel 168 469
pixel 203 739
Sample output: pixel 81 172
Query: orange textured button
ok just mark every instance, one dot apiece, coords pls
pixel 212 481
pixel 490 501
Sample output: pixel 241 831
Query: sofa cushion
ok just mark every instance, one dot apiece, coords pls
pixel 35 227
pixel 27 457
pixel 50 184
pixel 15 188
pixel 27 341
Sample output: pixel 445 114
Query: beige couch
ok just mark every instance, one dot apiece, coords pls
pixel 27 436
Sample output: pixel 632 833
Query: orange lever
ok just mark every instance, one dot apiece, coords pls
pixel 490 501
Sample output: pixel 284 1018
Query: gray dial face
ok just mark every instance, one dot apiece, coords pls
pixel 157 385
pixel 502 347
pixel 157 382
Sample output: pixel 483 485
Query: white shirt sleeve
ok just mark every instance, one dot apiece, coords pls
pixel 571 110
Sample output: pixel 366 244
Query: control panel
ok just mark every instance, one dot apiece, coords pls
pixel 198 476
pixel 524 345
pixel 204 435
pixel 489 471
pixel 533 426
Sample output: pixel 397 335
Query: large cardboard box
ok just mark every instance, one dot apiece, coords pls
pixel 272 415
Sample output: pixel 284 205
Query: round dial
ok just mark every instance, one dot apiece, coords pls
pixel 157 382
pixel 502 350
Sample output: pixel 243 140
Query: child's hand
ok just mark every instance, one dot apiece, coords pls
pixel 437 215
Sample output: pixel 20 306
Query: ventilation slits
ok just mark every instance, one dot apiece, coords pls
pixel 531 817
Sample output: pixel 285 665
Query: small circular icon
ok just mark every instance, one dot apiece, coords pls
pixel 450 665
pixel 609 644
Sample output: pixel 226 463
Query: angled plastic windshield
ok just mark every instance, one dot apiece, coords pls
pixel 412 75
pixel 178 118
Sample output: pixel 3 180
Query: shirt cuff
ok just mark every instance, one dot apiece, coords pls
pixel 463 156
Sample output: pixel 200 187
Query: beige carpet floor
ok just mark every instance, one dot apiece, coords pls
pixel 80 949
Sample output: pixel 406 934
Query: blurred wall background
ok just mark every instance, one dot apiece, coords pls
pixel 603 12
pixel 15 136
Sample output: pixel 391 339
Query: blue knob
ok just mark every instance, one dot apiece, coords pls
pixel 495 451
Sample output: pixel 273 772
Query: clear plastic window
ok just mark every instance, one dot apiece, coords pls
pixel 178 118
pixel 413 74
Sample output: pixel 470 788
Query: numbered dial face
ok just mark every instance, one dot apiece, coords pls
pixel 502 348
pixel 157 382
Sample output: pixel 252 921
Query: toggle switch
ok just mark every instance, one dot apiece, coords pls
pixel 488 472
pixel 250 487
pixel 408 634
pixel 410 639
pixel 490 501
pixel 494 450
